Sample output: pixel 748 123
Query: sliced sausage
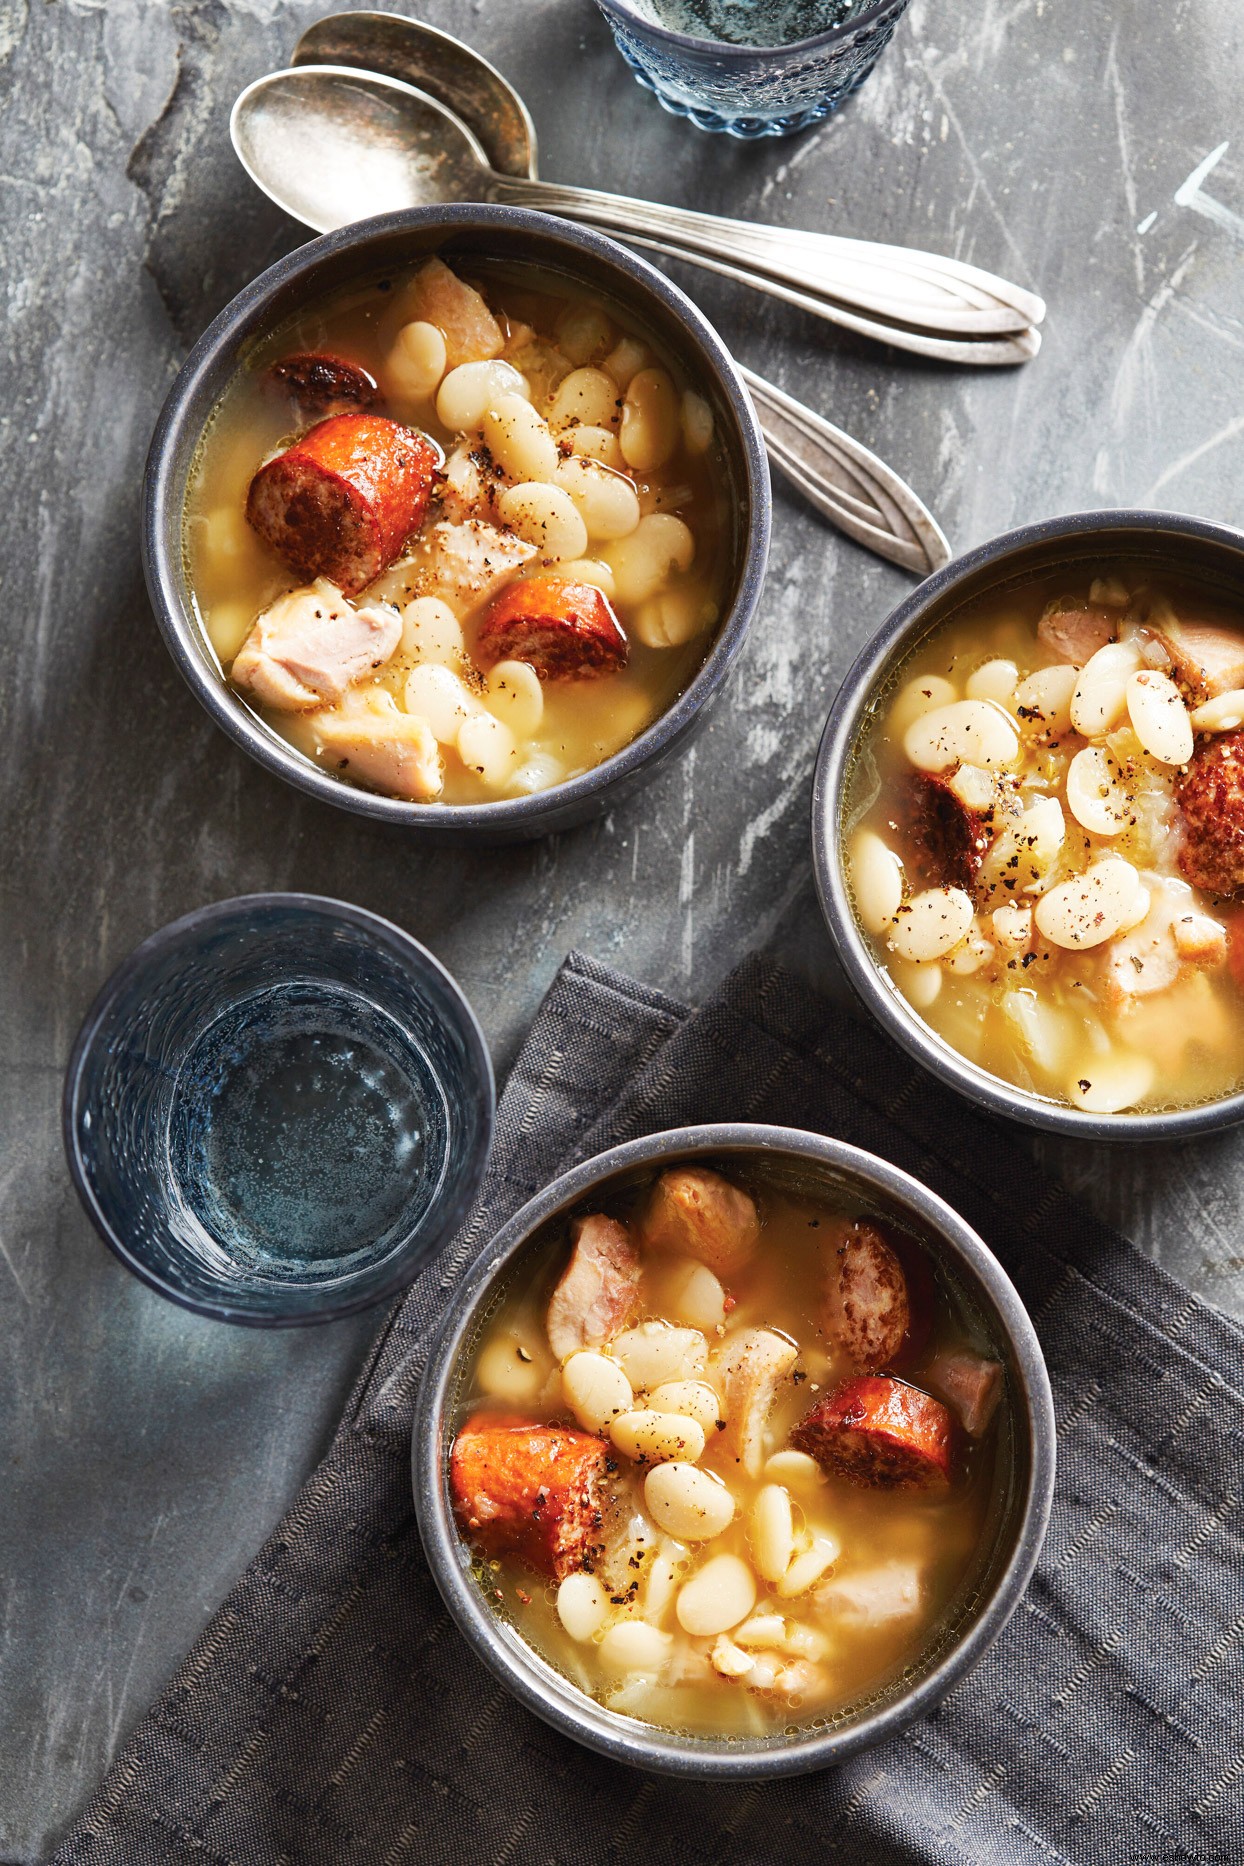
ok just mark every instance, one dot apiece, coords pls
pixel 696 1213
pixel 322 384
pixel 342 501
pixel 310 645
pixel 754 1365
pixel 1207 656
pixel 880 1432
pixel 565 630
pixel 946 842
pixel 598 1291
pixel 1211 798
pixel 970 1384
pixel 865 1306
pixel 530 1490
pixel 1075 635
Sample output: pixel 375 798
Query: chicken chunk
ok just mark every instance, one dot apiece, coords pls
pixel 438 296
pixel 598 1291
pixel 970 1384
pixel 311 645
pixel 873 1597
pixel 531 1490
pixel 377 744
pixel 1207 656
pixel 464 563
pixel 1075 635
pixel 699 1214
pixel 753 1367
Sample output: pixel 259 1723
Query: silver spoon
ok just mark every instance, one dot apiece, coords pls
pixel 395 146
pixel 844 481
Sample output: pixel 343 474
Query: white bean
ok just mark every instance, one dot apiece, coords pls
pixel 585 398
pixel 717 1597
pixel 606 501
pixel 808 1566
pixel 1024 853
pixel 634 1646
pixel 538 771
pixel 470 390
pixel 416 362
pixel 1012 926
pixel 730 1660
pixel 516 696
pixel 1100 694
pixel 966 960
pixel 654 1352
pixel 1110 1083
pixel 643 562
pixel 1043 699
pixel 1221 714
pixel 975 787
pixel 876 880
pixel 486 746
pixel 432 632
pixel 659 1588
pixel 697 423
pixel 688 1503
pixel 596 1389
pixel 591 443
pixel 919 984
pixel 972 732
pixel 918 696
pixel 1159 717
pixel 507 1371
pixel 583 330
pixel 1090 908
pixel 794 1467
pixel 995 680
pixel 763 1629
pixel 932 923
pixel 590 570
pixel 678 616
pixel 692 1399
pixel 693 1295
pixel 625 360
pixel 519 439
pixel 651 420
pixel 582 1606
pixel 437 695
pixel 1045 1033
pixel 545 516
pixel 1095 793
pixel 772 1531
pixel 651 1437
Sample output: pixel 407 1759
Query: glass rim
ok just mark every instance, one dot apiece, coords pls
pixel 628 10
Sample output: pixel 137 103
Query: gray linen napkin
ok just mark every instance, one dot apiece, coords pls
pixel 331 1716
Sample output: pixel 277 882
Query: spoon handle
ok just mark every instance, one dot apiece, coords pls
pixel 924 290
pixel 846 483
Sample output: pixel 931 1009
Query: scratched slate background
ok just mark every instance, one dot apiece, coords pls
pixel 145 1454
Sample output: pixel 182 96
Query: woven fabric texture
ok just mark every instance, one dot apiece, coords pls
pixel 331 1716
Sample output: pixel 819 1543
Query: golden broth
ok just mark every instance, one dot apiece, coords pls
pixel 943 1540
pixel 235 576
pixel 1083 1026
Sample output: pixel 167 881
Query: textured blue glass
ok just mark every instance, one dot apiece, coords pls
pixel 278 1109
pixel 752 90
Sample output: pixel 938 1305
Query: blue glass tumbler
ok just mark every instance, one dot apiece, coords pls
pixel 752 90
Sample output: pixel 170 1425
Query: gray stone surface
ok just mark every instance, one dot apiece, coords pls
pixel 145 1453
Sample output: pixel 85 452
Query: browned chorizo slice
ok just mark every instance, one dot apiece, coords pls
pixel 945 842
pixel 598 1290
pixel 530 1490
pixel 880 1432
pixel 697 1213
pixel 1075 635
pixel 565 630
pixel 1211 798
pixel 865 1306
pixel 970 1384
pixel 322 384
pixel 342 501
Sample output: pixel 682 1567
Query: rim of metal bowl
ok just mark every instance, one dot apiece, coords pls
pixel 546 1691
pixel 833 765
pixel 689 41
pixel 441 1227
pixel 181 422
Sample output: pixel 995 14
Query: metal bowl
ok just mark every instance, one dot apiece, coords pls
pixel 1175 545
pixel 814 1165
pixel 371 249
